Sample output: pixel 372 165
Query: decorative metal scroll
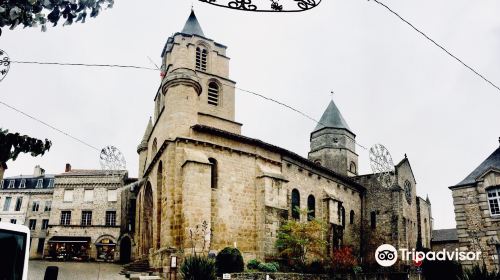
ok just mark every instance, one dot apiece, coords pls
pixel 382 165
pixel 112 159
pixel 266 5
pixel 4 64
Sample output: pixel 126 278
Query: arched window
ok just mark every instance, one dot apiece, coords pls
pixel 311 208
pixel 342 213
pixel 494 200
pixel 213 173
pixel 201 58
pixel 213 94
pixel 405 230
pixel 318 162
pixel 407 188
pixel 352 167
pixel 295 204
pixel 154 148
pixel 425 232
pixel 351 217
pixel 373 220
pixel 159 204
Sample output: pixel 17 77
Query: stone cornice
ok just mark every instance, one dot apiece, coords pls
pixel 181 76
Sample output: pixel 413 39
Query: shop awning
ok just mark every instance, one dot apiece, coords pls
pixel 70 239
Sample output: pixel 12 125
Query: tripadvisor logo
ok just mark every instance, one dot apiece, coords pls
pixel 386 255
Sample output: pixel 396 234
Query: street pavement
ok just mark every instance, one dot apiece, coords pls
pixel 76 270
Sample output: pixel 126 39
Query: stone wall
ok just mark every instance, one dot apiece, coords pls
pixel 250 200
pixel 38 234
pixel 296 276
pixel 98 230
pixel 477 229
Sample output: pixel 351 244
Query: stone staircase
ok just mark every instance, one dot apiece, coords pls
pixel 137 267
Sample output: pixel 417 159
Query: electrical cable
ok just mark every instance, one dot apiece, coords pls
pixel 50 126
pixel 147 68
pixel 438 45
pixel 83 64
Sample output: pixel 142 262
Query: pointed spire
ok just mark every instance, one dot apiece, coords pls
pixel 144 143
pixel 428 200
pixel 332 118
pixel 192 26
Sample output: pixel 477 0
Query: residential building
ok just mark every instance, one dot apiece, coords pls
pixel 27 200
pixel 86 218
pixel 477 212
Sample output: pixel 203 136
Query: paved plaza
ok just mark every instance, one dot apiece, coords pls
pixel 76 270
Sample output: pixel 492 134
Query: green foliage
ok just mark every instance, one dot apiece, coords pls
pixel 299 240
pixel 263 267
pixel 268 267
pixel 253 264
pixel 357 269
pixel 31 13
pixel 480 273
pixel 198 268
pixel 12 144
pixel 229 260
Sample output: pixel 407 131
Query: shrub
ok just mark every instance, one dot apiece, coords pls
pixel 343 260
pixel 268 267
pixel 263 267
pixel 198 268
pixel 480 273
pixel 253 264
pixel 229 260
pixel 315 267
pixel 297 241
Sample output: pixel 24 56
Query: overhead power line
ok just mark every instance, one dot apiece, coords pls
pixel 50 126
pixel 147 68
pixel 83 64
pixel 439 45
pixel 289 107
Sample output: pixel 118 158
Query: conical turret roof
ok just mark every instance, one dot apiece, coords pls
pixel 332 118
pixel 144 142
pixel 192 26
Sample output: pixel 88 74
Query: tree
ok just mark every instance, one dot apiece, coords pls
pixel 31 13
pixel 12 144
pixel 297 240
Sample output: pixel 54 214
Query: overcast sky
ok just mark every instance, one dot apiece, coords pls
pixel 392 86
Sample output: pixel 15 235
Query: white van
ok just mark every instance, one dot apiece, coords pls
pixel 14 251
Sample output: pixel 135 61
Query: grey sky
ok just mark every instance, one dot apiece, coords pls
pixel 392 86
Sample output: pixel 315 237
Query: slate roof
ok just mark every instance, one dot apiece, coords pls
pixel 91 172
pixel 30 182
pixel 192 26
pixel 332 118
pixel 260 143
pixel 445 235
pixel 492 162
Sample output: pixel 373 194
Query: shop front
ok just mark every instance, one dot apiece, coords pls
pixel 68 248
pixel 106 248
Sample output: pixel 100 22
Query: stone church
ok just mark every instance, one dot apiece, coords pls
pixel 196 167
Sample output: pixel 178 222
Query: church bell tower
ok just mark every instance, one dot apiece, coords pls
pixel 333 143
pixel 195 86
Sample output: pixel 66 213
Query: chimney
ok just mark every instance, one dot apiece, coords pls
pixel 68 167
pixel 38 171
